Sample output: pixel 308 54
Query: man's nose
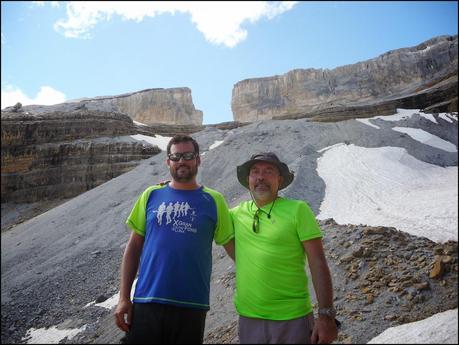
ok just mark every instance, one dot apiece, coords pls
pixel 260 178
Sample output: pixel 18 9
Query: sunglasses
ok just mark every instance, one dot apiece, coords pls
pixel 188 156
pixel 256 217
pixel 256 222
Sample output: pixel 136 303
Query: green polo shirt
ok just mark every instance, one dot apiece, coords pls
pixel 271 282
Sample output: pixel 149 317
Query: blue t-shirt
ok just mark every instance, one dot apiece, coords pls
pixel 179 226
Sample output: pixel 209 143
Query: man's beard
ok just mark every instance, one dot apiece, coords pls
pixel 263 193
pixel 183 173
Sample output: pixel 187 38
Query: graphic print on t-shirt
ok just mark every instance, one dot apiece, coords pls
pixel 174 212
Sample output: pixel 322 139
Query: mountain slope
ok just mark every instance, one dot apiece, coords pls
pixel 55 264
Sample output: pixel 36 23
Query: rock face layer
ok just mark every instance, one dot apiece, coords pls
pixel 60 155
pixel 169 106
pixel 426 72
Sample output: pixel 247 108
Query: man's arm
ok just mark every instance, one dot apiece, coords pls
pixel 325 330
pixel 129 268
pixel 230 249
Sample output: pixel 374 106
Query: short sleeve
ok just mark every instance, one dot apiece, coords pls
pixel 137 219
pixel 224 230
pixel 307 227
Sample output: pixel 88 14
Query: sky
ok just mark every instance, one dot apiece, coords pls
pixel 56 51
pixel 376 186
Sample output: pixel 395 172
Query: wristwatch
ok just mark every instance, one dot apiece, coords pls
pixel 330 312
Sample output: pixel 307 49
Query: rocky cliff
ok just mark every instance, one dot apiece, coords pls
pixel 168 106
pixel 60 155
pixel 418 77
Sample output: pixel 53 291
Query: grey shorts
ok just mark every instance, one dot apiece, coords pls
pixel 260 331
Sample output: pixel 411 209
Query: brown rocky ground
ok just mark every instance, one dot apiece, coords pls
pixel 382 278
pixel 55 264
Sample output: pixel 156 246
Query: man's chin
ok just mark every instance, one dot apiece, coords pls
pixel 262 195
pixel 184 179
pixel 188 177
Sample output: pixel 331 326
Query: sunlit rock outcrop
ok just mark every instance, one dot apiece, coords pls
pixel 416 77
pixel 172 106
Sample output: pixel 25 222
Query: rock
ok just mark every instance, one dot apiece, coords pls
pixel 17 107
pixel 62 154
pixel 438 269
pixel 424 75
pixel 422 286
pixel 101 298
pixel 447 259
pixel 390 317
pixel 169 106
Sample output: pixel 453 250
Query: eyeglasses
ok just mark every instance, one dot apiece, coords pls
pixel 256 222
pixel 188 156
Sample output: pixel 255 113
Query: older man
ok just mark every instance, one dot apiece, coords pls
pixel 274 237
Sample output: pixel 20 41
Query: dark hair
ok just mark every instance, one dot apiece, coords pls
pixel 176 139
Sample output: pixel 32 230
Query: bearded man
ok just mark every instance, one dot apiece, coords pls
pixel 171 297
pixel 275 237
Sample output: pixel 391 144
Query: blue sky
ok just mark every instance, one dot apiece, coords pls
pixel 57 51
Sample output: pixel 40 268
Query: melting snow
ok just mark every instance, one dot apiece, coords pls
pixel 157 140
pixel 387 186
pixel 437 329
pixel 402 114
pixel 50 335
pixel 427 138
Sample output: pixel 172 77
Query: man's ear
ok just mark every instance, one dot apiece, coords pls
pixel 198 160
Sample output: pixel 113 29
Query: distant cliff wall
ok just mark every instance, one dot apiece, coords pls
pixel 60 155
pixel 169 106
pixel 397 74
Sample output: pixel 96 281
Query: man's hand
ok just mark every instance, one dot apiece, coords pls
pixel 324 331
pixel 123 314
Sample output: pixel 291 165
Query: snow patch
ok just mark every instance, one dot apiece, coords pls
pixel 438 329
pixel 401 114
pixel 51 335
pixel 157 140
pixel 216 144
pixel 388 187
pixel 427 138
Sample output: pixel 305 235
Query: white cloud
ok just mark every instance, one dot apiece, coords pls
pixel 43 3
pixel 220 22
pixel 46 96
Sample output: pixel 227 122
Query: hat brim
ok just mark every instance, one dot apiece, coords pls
pixel 243 172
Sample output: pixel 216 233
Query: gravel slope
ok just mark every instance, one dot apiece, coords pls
pixel 58 262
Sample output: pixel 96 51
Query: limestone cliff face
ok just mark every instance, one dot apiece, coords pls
pixel 60 155
pixel 397 74
pixel 168 106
